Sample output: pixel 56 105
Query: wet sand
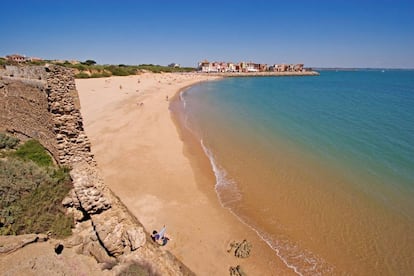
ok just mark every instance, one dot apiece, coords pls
pixel 162 175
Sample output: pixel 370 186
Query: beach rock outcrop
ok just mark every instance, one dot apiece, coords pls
pixel 236 271
pixel 240 249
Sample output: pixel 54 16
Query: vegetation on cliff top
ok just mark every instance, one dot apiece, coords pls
pixel 90 69
pixel 31 191
pixel 7 142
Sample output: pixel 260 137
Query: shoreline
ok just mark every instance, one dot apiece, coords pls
pixel 161 176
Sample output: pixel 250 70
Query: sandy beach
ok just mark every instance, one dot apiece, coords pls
pixel 160 175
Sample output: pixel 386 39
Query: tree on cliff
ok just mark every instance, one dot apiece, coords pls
pixel 89 62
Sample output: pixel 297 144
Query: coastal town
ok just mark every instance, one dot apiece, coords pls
pixel 248 67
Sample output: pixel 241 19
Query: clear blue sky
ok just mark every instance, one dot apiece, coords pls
pixel 348 33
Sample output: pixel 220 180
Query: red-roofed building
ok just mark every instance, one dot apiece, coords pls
pixel 16 58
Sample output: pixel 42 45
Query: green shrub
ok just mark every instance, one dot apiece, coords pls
pixel 106 74
pixel 7 142
pixel 30 198
pixel 81 75
pixel 37 62
pixel 159 68
pixel 121 71
pixel 34 151
pixel 41 210
pixel 80 67
pixel 17 178
pixel 103 74
pixel 138 269
pixel 60 175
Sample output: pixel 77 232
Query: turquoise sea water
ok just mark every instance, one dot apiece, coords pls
pixel 321 167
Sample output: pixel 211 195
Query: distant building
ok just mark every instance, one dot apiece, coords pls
pixel 222 67
pixel 232 67
pixel 16 58
pixel 208 67
pixel 282 67
pixel 287 67
pixel 263 67
pixel 256 67
pixel 204 66
pixel 174 65
pixel 298 67
pixel 21 58
pixel 251 67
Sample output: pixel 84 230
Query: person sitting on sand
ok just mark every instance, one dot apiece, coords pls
pixel 164 241
pixel 156 236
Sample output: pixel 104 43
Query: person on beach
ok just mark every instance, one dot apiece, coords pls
pixel 156 236
pixel 164 241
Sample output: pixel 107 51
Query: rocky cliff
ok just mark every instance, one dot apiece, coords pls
pixel 42 103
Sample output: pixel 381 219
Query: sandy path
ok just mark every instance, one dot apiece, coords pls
pixel 142 158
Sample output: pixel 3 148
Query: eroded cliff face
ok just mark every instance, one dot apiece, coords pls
pixel 42 103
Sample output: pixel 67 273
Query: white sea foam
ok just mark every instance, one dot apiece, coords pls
pixel 186 121
pixel 182 99
pixel 225 187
